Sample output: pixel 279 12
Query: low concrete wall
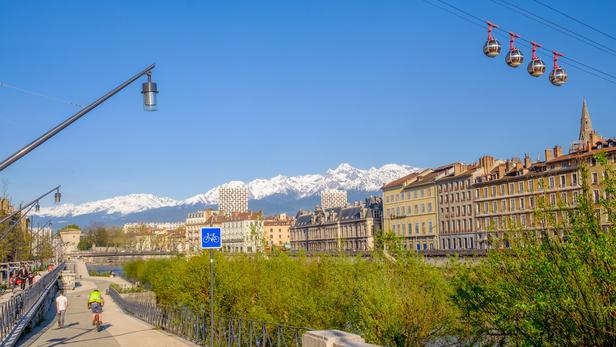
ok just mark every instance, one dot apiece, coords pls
pixel 333 338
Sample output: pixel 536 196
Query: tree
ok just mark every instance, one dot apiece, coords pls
pixel 555 287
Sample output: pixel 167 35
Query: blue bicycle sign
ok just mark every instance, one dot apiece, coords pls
pixel 210 238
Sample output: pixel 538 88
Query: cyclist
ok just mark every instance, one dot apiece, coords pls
pixel 96 303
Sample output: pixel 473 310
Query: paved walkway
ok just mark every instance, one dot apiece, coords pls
pixel 119 329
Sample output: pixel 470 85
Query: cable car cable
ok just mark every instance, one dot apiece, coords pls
pixel 574 19
pixel 49 97
pixel 571 60
pixel 556 26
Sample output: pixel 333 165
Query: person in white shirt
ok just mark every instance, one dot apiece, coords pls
pixel 61 305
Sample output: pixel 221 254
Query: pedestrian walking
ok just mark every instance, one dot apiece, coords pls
pixel 23 275
pixel 61 306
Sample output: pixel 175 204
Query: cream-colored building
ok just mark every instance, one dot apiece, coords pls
pixel 455 202
pixel 276 231
pixel 243 232
pixel 70 239
pixel 507 198
pixel 195 221
pixel 351 228
pixel 411 208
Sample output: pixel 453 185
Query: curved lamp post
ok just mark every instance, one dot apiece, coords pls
pixel 149 92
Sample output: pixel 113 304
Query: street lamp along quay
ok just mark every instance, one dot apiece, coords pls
pixel 149 91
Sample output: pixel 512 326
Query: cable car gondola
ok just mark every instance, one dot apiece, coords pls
pixel 558 75
pixel 536 67
pixel 515 57
pixel 492 47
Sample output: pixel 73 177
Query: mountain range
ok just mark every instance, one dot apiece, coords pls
pixel 277 194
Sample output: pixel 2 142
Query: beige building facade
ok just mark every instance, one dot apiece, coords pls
pixel 351 228
pixel 276 231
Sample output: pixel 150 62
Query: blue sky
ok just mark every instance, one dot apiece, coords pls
pixel 253 89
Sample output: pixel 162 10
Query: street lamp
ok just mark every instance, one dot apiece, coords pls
pixel 33 204
pixel 149 91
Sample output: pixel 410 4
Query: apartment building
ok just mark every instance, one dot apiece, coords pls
pixel 233 198
pixel 351 228
pixel 455 202
pixel 197 220
pixel 331 198
pixel 243 232
pixel 507 197
pixel 411 208
pixel 276 231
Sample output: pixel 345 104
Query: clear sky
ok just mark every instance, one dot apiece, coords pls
pixel 251 89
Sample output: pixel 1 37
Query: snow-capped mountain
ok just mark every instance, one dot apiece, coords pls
pixel 297 188
pixel 343 177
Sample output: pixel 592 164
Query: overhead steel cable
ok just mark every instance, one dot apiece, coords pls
pixel 556 26
pixel 26 91
pixel 575 20
pixel 571 62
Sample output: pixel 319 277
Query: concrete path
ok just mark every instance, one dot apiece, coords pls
pixel 119 329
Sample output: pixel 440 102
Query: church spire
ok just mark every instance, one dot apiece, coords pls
pixel 585 124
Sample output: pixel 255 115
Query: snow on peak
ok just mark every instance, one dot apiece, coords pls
pixel 123 205
pixel 344 177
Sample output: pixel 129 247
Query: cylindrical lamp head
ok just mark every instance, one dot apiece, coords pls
pixel 149 92
pixel 57 197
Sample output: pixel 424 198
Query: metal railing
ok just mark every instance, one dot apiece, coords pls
pixel 17 311
pixel 195 326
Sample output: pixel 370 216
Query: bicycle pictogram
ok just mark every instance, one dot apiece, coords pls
pixel 210 238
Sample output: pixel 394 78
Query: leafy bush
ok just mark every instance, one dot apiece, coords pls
pixel 557 287
pixel 401 303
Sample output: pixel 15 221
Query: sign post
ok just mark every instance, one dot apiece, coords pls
pixel 210 240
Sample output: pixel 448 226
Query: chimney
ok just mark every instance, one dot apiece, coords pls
pixel 548 154
pixel 458 168
pixel 501 170
pixel 487 163
pixel 558 151
pixel 527 161
pixel 508 165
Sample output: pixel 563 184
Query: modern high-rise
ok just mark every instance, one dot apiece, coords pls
pixel 233 198
pixel 331 198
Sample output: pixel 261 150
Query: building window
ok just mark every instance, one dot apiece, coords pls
pixel 397 211
pixel 416 209
pixel 502 189
pixel 522 204
pixel 423 208
pixel 494 207
pixel 531 201
pixel 552 199
pixel 574 181
pixel 520 187
pixel 430 227
pixel 493 190
pixel 415 194
pixel 562 181
pixel 512 204
pixel 417 228
pixel 485 192
pixel 551 182
pixel 595 178
pixel 596 196
pixel 511 188
pixel 530 185
pixel 429 207
pixel 485 207
pixel 563 197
